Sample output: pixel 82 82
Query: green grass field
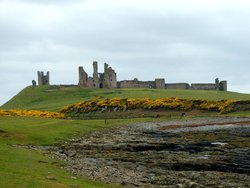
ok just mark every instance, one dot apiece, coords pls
pixel 22 167
pixel 42 98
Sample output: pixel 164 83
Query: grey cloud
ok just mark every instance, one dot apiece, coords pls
pixel 174 42
pixel 49 2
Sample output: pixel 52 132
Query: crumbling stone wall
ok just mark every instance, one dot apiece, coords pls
pixel 221 86
pixel 83 78
pixel 109 77
pixel 136 84
pixel 200 86
pixel 177 86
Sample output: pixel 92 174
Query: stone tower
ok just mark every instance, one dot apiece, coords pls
pixel 43 79
pixel 109 77
pixel 220 85
pixel 83 78
pixel 223 85
pixel 217 84
pixel 96 83
pixel 160 83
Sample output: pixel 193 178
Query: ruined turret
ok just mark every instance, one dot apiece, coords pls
pixel 43 79
pixel 223 85
pixel 96 83
pixel 83 78
pixel 160 83
pixel 109 77
pixel 217 84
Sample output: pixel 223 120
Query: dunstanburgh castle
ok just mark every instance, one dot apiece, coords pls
pixel 108 79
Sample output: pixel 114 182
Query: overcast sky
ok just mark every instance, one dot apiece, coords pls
pixel 179 40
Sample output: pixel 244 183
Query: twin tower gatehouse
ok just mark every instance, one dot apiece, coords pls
pixel 108 79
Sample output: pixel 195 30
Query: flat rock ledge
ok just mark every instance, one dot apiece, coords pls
pixel 205 152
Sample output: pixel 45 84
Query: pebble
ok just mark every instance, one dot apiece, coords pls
pixel 50 178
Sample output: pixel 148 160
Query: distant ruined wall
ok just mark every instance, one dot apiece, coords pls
pixel 204 86
pixel 220 86
pixel 177 86
pixel 159 83
pixel 136 84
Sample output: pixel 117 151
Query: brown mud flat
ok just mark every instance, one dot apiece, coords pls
pixel 166 154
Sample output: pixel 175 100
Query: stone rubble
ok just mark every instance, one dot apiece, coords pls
pixel 151 155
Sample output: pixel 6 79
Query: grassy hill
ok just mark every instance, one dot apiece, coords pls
pixel 19 164
pixel 45 98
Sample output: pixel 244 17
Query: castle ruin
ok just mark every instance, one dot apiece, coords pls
pixel 99 80
pixel 108 79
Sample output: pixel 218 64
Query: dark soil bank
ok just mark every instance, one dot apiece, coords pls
pixel 194 153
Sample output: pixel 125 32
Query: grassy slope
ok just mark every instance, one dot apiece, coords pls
pixel 20 167
pixel 42 98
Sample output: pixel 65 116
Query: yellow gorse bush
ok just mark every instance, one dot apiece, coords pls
pixel 32 113
pixel 222 106
pixel 123 104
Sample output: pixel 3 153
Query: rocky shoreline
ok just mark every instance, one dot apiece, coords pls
pixel 205 152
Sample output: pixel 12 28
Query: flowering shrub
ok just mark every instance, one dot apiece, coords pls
pixel 123 104
pixel 33 113
pixel 223 106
